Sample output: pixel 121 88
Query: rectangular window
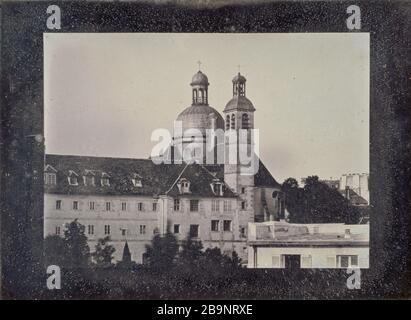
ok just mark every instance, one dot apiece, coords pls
pixel 193 205
pixel 140 206
pixel 154 206
pixel 242 190
pixel 137 182
pixel 105 182
pixel 75 205
pixel 58 230
pixel 73 181
pixel 142 229
pixel 227 205
pixel 88 180
pixel 91 205
pixel 194 230
pixel 243 205
pixel 214 225
pixel 124 206
pixel 227 225
pixel 176 228
pixel 58 204
pixel 215 205
pixel 123 232
pixel 108 206
pixel 347 261
pixel 176 204
pixel 242 232
pixel 50 178
pixel 107 229
pixel 90 229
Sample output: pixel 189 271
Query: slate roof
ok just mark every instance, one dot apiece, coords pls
pixel 354 197
pixel 157 179
pixel 240 103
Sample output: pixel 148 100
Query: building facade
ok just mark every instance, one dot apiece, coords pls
pixel 328 245
pixel 131 200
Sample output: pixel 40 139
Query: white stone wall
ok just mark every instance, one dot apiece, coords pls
pixel 311 257
pixel 132 219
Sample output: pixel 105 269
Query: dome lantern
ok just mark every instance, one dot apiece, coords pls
pixel 239 85
pixel 199 86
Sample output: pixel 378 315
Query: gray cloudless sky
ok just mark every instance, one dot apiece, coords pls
pixel 105 93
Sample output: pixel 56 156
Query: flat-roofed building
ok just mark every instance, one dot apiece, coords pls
pixel 277 244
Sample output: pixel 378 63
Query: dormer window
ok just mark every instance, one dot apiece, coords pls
pixel 105 180
pixel 183 186
pixel 72 178
pixel 137 180
pixel 50 175
pixel 88 178
pixel 217 187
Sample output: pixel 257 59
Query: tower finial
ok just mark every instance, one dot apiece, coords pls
pixel 239 68
pixel 199 65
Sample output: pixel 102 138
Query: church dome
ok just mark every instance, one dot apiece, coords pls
pixel 199 79
pixel 240 103
pixel 200 117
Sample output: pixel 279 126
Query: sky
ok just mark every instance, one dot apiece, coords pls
pixel 105 93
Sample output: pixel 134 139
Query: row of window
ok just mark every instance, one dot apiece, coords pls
pixel 50 178
pixel 108 206
pixel 305 261
pixel 107 230
pixel 194 205
pixel 193 231
pixel 230 121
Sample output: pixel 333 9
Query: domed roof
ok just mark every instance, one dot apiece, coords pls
pixel 239 78
pixel 239 103
pixel 199 79
pixel 200 117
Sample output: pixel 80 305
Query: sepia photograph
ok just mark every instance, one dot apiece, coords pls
pixel 133 157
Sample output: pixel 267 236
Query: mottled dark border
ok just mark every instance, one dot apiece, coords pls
pixel 22 157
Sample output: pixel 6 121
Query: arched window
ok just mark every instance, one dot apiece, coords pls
pixel 244 121
pixel 227 122
pixel 200 95
pixel 194 95
pixel 233 121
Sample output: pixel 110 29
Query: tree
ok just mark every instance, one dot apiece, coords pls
pixel 55 250
pixel 161 253
pixel 191 251
pixel 78 251
pixel 316 202
pixel 294 200
pixel 289 184
pixel 103 255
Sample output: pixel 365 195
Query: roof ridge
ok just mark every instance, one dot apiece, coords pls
pixel 99 157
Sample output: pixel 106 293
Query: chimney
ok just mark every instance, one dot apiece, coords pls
pixel 347 192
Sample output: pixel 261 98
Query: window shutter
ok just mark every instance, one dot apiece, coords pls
pixel 331 262
pixel 364 263
pixel 306 261
pixel 275 261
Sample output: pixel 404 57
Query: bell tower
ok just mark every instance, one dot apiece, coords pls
pixel 239 122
